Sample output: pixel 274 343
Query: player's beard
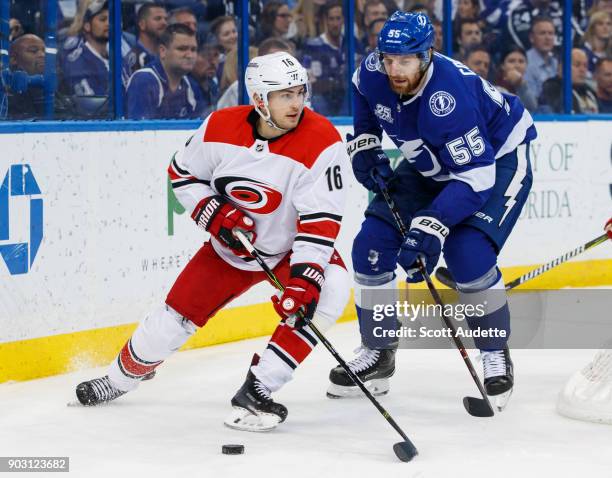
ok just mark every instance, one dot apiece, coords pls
pixel 408 87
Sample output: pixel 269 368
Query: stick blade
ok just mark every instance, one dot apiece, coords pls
pixel 405 450
pixel 477 407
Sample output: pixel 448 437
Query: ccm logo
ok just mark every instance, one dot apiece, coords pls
pixel 207 213
pixel 314 275
pixel 435 226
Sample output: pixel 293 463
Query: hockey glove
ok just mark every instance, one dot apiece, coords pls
pixel 425 237
pixel 608 228
pixel 217 216
pixel 301 294
pixel 368 157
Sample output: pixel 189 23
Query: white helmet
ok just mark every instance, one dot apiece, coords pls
pixel 273 72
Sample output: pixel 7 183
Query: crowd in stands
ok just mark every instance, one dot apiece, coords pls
pixel 180 57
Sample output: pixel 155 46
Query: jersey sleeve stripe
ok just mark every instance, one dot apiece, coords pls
pixel 326 229
pixel 176 167
pixel 178 184
pixel 314 240
pixel 320 215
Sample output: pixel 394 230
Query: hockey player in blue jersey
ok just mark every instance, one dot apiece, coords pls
pixel 460 189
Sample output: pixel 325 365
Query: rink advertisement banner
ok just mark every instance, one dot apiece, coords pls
pixel 92 238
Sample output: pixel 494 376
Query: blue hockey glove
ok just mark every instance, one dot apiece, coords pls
pixel 425 237
pixel 367 156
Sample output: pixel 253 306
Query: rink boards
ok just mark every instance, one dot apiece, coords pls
pixel 91 238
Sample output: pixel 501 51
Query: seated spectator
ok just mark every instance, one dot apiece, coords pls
pixel 15 29
pixel 598 38
pixel 467 9
pixel 439 38
pixel 152 21
pixel 271 45
pixel 324 58
pixel 469 35
pixel 522 15
pixel 230 76
pixel 164 89
pixel 372 10
pixel 542 63
pixel 478 59
pixel 511 77
pixel 85 69
pixel 275 21
pixel 603 80
pixel 373 31
pixel 601 6
pixel 184 16
pixel 584 99
pixel 307 20
pixel 205 73
pixel 225 33
pixel 26 59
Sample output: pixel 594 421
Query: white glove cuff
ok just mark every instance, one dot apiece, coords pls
pixel 430 225
pixel 362 142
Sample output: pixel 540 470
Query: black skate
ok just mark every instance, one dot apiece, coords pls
pixel 97 391
pixel 253 407
pixel 498 376
pixel 373 367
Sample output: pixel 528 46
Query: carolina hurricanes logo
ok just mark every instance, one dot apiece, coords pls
pixel 249 194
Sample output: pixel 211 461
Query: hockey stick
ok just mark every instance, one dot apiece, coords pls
pixel 445 276
pixel 478 407
pixel 405 450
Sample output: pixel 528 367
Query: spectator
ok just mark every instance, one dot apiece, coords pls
pixel 230 68
pixel 324 58
pixel 598 38
pixel 225 32
pixel 603 80
pixel 467 9
pixel 275 21
pixel 542 63
pixel 469 35
pixel 184 16
pixel 270 45
pixel 152 21
pixel 164 89
pixel 15 29
pixel 307 20
pixel 373 31
pixel 511 77
pixel 601 6
pixel 439 38
pixel 584 99
pixel 522 15
pixel 478 59
pixel 85 69
pixel 205 73
pixel 373 10
pixel 26 58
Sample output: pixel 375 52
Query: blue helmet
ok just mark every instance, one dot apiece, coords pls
pixel 406 33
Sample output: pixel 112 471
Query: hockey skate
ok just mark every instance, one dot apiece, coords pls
pixel 498 376
pixel 373 367
pixel 253 409
pixel 97 391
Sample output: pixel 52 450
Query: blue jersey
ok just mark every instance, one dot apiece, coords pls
pixel 452 131
pixel 85 72
pixel 149 96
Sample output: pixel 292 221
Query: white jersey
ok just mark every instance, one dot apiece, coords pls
pixel 291 186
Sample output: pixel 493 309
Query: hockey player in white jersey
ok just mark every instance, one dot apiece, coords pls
pixel 273 171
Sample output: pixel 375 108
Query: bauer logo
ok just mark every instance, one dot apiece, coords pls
pixel 20 203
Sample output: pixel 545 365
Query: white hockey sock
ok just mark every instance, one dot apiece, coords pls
pixel 159 335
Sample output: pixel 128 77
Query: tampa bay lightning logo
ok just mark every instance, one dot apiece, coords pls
pixel 442 103
pixel 249 194
pixel 372 62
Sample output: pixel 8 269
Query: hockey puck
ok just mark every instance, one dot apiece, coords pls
pixel 232 449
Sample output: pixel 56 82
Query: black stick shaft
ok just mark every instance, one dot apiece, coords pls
pixel 434 293
pixel 249 247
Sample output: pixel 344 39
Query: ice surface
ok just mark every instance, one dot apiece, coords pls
pixel 172 426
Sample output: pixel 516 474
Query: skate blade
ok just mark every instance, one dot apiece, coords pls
pixel 376 387
pixel 242 419
pixel 500 402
